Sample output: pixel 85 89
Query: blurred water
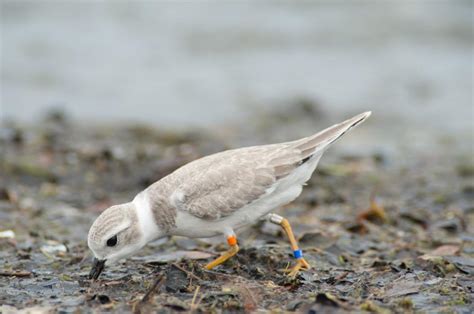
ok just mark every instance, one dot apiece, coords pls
pixel 179 64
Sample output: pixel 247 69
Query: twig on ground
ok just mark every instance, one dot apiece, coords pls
pixel 155 286
pixel 159 281
pixel 187 272
pixel 20 273
pixel 194 305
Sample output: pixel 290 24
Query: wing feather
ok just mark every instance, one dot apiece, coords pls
pixel 230 180
pixel 216 186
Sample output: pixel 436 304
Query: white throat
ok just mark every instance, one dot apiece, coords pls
pixel 148 226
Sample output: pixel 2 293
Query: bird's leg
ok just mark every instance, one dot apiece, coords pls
pixel 234 248
pixel 297 252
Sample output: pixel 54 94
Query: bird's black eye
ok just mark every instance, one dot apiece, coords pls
pixel 112 241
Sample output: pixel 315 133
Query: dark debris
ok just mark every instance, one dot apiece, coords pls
pixel 380 236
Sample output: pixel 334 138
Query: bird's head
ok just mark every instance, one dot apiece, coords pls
pixel 114 235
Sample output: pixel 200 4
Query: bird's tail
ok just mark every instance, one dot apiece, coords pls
pixel 321 141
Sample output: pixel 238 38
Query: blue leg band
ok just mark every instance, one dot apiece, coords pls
pixel 298 253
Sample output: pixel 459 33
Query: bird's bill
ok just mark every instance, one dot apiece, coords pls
pixel 97 268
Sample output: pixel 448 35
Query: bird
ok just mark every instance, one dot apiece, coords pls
pixel 214 196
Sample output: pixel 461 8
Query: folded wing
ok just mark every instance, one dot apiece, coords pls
pixel 218 185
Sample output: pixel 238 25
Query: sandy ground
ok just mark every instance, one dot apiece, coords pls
pixel 382 233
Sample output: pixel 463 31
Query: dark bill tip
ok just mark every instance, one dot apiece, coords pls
pixel 97 268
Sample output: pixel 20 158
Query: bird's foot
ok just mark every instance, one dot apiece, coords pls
pixel 233 249
pixel 300 263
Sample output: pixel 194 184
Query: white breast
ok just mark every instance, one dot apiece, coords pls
pixel 146 220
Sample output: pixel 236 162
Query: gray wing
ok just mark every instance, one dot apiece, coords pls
pixel 218 185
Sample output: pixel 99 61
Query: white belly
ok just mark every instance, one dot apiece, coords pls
pixel 192 226
pixel 282 193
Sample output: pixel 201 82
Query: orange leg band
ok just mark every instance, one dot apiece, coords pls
pixel 234 248
pixel 232 240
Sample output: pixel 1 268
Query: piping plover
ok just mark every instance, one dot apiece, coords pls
pixel 215 195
